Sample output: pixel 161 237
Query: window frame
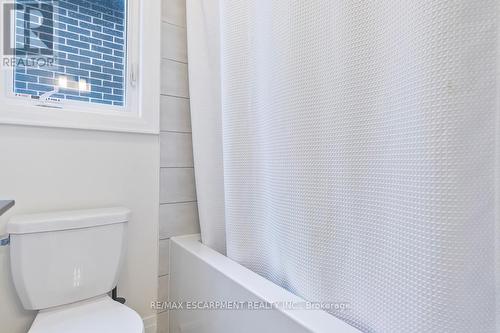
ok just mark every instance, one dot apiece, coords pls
pixel 141 111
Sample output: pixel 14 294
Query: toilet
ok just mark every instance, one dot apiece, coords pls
pixel 64 264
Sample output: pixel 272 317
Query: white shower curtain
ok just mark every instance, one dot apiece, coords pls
pixel 203 33
pixel 359 153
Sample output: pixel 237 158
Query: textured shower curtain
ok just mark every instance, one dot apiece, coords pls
pixel 359 152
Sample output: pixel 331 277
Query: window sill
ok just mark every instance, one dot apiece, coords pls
pixel 64 118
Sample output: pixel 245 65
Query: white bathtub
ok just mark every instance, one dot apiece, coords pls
pixel 200 274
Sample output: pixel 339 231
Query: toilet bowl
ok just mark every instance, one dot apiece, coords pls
pixel 64 264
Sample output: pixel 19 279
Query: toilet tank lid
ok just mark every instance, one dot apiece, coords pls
pixel 65 220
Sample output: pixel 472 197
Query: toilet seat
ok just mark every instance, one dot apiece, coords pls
pixel 97 315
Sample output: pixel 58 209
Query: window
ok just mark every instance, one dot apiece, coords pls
pixel 76 63
pixel 87 42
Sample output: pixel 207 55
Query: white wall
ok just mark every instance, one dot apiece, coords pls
pixel 51 169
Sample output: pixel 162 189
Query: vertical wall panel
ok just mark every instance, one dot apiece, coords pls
pixel 178 207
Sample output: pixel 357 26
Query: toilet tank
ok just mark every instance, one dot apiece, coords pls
pixel 64 257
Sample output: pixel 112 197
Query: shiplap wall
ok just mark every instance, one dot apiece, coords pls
pixel 178 207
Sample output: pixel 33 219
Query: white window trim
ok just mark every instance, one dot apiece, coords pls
pixel 141 114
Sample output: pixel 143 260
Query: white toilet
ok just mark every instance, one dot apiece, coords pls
pixel 65 263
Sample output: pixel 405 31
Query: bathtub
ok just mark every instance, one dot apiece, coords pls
pixel 200 275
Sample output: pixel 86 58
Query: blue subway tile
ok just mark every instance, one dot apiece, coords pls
pixel 103 23
pixel 90 12
pixel 79 16
pixel 59 40
pixel 95 95
pixel 111 71
pixel 61 26
pixel 78 72
pixel 41 88
pixel 67 20
pixel 66 34
pixel 58 69
pixel 47 81
pixel 91 54
pixel 101 89
pixel 67 49
pixel 77 98
pixel 110 18
pixel 102 36
pixel 90 67
pixel 91 40
pixel 95 82
pixel 113 45
pixel 78 44
pixel 26 78
pixel 100 49
pixel 100 101
pixel 27 92
pixel 102 63
pixel 20 69
pixel 78 58
pixel 39 72
pixel 102 9
pixel 90 26
pixel 68 63
pixel 78 30
pixel 69 92
pixel 112 84
pixel 67 5
pixel 119 13
pixel 20 52
pixel 60 11
pixel 113 97
pixel 97 75
pixel 20 85
pixel 84 4
pixel 46 29
pixel 112 32
pixel 112 58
